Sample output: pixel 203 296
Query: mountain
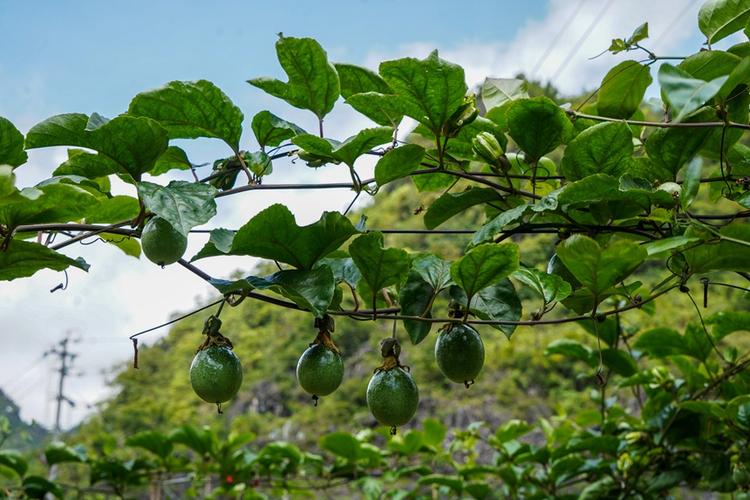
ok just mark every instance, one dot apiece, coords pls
pixel 14 432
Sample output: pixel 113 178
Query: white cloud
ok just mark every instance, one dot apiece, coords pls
pixel 671 24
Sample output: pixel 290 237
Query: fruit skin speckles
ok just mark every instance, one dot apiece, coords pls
pixel 459 353
pixel 320 370
pixel 392 396
pixel 162 243
pixel 216 374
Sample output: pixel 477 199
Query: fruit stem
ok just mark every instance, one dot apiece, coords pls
pixel 394 430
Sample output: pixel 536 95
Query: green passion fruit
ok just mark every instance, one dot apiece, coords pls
pixel 459 353
pixel 556 266
pixel 216 374
pixel 392 397
pixel 162 243
pixel 320 370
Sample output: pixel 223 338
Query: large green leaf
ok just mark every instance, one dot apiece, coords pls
pixel 416 297
pixel 11 144
pixel 550 287
pixel 310 289
pixel 433 269
pixel 341 444
pixel 430 90
pixel 183 204
pixel 23 258
pixel 132 144
pixel 191 109
pixel 501 221
pixel 58 452
pixel 359 144
pixel 357 80
pixel 483 266
pixel 671 148
pixel 13 460
pixel 398 162
pixel 452 204
pixel 660 342
pixel 622 89
pixel 691 182
pixel 709 64
pixel 313 81
pixel 599 268
pixel 380 267
pixel 173 158
pixel 55 202
pixel 684 93
pixel 274 234
pixel 572 349
pixel 270 130
pixel 153 441
pixel 41 487
pixel 728 322
pixel 606 148
pixel 718 19
pixel 7 181
pixel 498 302
pixel 383 109
pixel 725 255
pixel 497 91
pixel 538 126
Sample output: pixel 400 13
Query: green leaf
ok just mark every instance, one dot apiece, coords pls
pixel 57 453
pixel 415 298
pixel 55 202
pixel 317 146
pixel 11 144
pixel 497 91
pixel 383 109
pixel 596 268
pixel 622 89
pixel 433 270
pixel 671 148
pixel 684 93
pixel 639 34
pixel 728 322
pixel 270 130
pixel 398 162
pixel 718 19
pixel 341 444
pixel 343 270
pixel 128 245
pixel 22 259
pixel 200 440
pixel 452 204
pixel 313 81
pixel 727 255
pixel 667 244
pixel 434 432
pixel 219 243
pixel 173 158
pixel 153 441
pixel 538 126
pixel 484 265
pixel 40 487
pixel 14 460
pixel 357 80
pixel 619 362
pixel 708 408
pixel 430 90
pixel 380 267
pixel 691 183
pixel 364 141
pixel 274 234
pixel 500 222
pixel 192 109
pixel 132 144
pixel 454 483
pixel 697 343
pixel 498 302
pixel 572 349
pixel 512 429
pixel 660 342
pixel 183 204
pixel 606 148
pixel 709 64
pixel 259 163
pixel 550 287
pixel 7 181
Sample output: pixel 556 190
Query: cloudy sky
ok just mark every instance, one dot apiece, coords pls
pixel 89 56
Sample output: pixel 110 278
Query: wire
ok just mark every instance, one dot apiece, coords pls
pixel 556 38
pixel 577 46
pixel 673 24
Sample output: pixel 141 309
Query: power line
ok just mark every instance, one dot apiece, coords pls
pixel 556 38
pixel 66 358
pixel 577 46
pixel 673 24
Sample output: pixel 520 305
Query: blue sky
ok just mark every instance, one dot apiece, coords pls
pixel 86 56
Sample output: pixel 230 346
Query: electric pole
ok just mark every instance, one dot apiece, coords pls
pixel 63 354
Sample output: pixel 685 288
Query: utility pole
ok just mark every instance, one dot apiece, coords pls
pixel 62 352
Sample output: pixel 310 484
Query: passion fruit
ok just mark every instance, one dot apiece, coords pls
pixel 459 353
pixel 320 370
pixel 162 243
pixel 392 396
pixel 216 374
pixel 556 266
